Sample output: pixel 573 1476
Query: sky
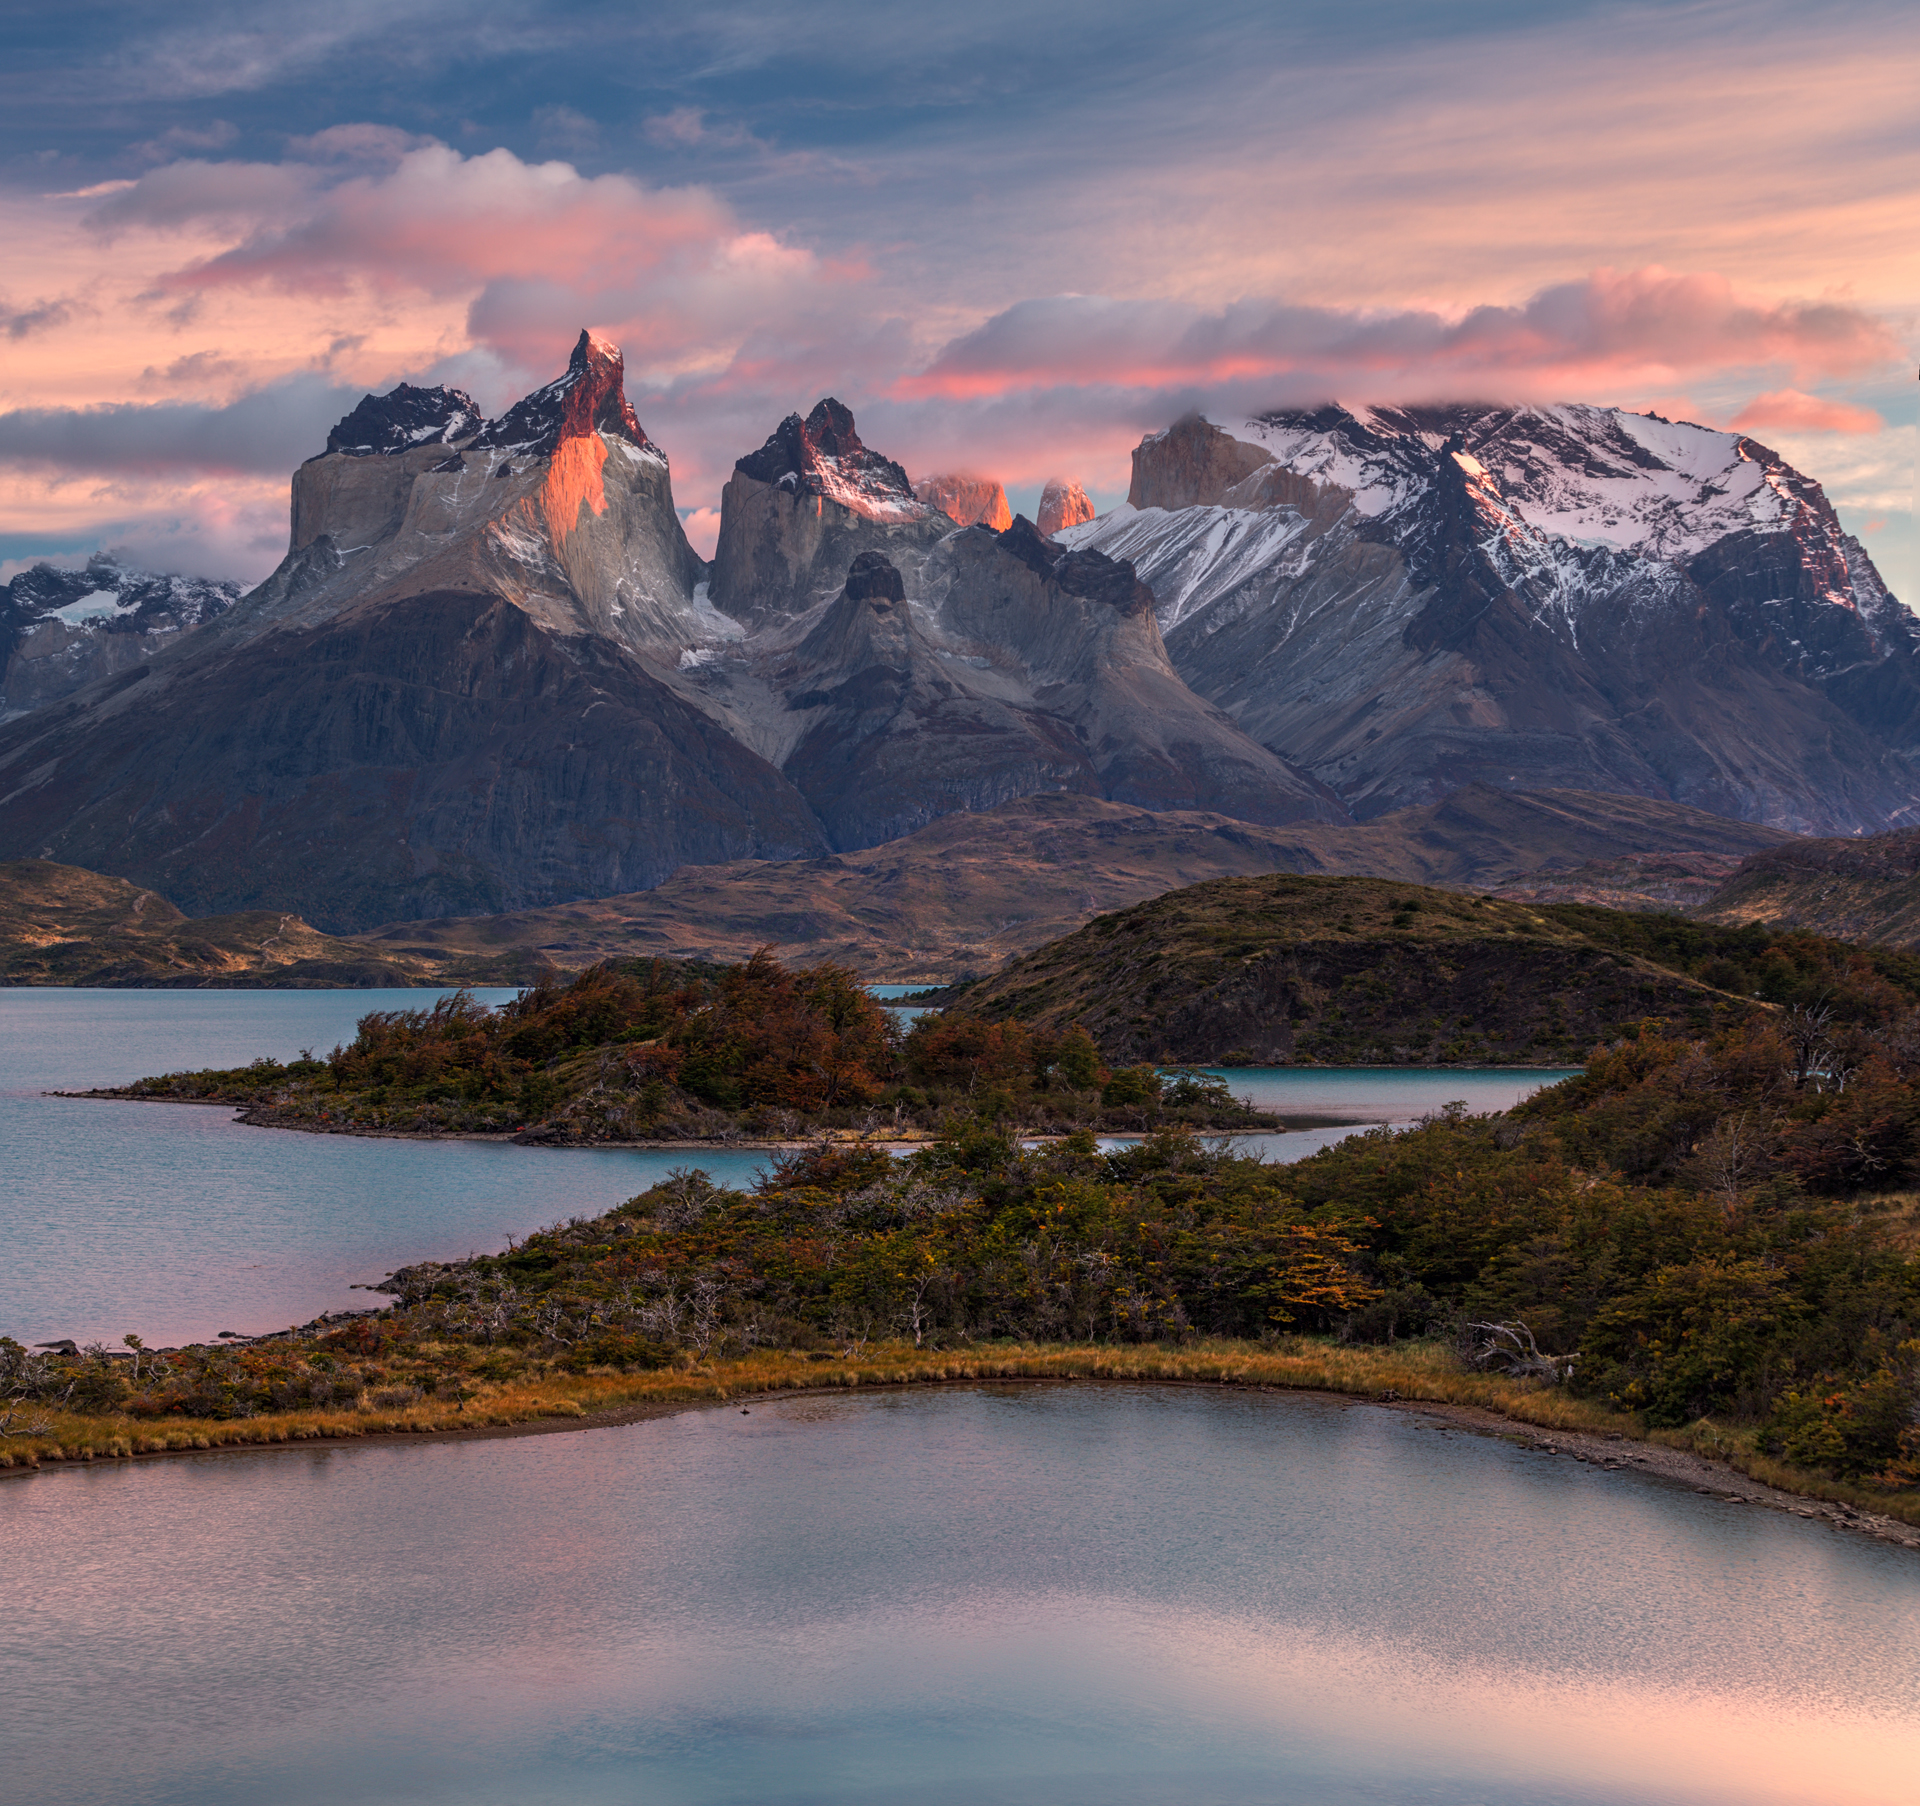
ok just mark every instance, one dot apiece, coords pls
pixel 1013 238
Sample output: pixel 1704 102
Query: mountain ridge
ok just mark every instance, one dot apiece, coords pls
pixel 1402 600
pixel 492 674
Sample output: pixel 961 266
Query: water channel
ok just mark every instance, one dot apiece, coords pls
pixel 174 1222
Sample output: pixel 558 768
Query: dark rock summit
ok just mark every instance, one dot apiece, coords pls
pixel 590 398
pixel 870 578
pixel 403 420
pixel 823 455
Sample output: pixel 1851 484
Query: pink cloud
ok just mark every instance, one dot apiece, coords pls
pixel 702 526
pixel 1791 411
pixel 373 256
pixel 1609 327
pixel 533 248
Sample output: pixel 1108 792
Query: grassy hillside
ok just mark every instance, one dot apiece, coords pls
pixel 1285 969
pixel 1858 890
pixel 60 925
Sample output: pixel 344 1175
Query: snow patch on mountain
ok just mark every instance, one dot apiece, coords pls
pixel 823 455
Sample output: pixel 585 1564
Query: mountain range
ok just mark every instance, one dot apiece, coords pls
pixel 492 674
pixel 1402 600
pixel 60 630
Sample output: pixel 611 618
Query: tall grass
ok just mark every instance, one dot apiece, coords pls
pixel 1422 1372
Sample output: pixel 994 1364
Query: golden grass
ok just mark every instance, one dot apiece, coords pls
pixel 1419 1372
pixel 1896 1215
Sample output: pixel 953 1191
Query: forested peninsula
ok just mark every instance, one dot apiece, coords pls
pixel 1707 1239
pixel 657 1051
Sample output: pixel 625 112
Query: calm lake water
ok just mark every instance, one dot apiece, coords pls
pixel 173 1222
pixel 1023 1597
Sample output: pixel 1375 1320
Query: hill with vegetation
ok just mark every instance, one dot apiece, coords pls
pixel 1859 890
pixel 653 1051
pixel 1286 969
pixel 60 925
pixel 972 889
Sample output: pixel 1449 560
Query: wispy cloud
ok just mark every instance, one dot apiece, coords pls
pixel 1797 412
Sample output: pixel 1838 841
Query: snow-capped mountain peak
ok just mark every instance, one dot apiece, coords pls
pixel 404 419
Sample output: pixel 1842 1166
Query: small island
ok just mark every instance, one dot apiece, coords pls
pixel 657 1052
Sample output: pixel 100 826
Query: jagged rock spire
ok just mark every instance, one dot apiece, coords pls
pixel 590 398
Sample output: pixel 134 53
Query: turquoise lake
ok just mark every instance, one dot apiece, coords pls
pixel 975 1596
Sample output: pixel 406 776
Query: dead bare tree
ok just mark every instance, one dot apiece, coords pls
pixel 1807 1027
pixel 1510 1348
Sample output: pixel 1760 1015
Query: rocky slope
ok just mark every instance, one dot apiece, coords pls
pixel 61 630
pixel 987 667
pixel 1402 601
pixel 967 501
pixel 971 890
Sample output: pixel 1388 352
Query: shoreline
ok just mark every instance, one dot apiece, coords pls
pixel 1277 1125
pixel 1611 1450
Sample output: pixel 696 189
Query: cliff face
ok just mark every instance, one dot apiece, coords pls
pixel 563 507
pixel 1404 601
pixel 796 513
pixel 1062 505
pixel 967 501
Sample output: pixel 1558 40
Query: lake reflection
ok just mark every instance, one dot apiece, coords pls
pixel 1024 1595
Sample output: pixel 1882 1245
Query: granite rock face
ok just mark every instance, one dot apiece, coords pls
pixel 1404 601
pixel 795 514
pixel 61 630
pixel 1062 505
pixel 1005 668
pixel 968 501
pixel 459 689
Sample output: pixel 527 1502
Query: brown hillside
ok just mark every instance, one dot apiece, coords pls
pixel 972 890
pixel 60 925
pixel 1857 890
pixel 1283 969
